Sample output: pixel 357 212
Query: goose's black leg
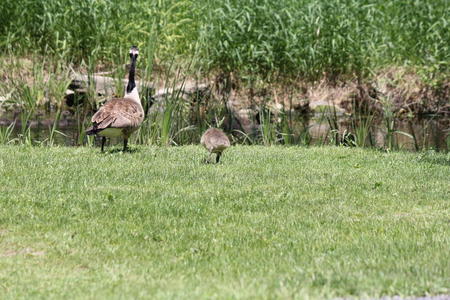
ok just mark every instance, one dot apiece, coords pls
pixel 125 144
pixel 103 142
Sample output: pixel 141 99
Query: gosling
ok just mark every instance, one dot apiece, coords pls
pixel 215 141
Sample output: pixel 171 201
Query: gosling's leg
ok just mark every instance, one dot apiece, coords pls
pixel 218 157
pixel 125 144
pixel 103 142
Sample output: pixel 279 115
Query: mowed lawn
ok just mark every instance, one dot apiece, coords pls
pixel 267 222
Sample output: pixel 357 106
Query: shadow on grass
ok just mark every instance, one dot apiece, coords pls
pixel 206 161
pixel 120 150
pixel 436 160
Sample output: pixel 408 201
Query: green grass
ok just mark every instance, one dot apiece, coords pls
pixel 268 222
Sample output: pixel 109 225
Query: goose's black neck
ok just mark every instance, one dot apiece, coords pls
pixel 131 84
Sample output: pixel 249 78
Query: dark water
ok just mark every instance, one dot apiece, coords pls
pixel 414 135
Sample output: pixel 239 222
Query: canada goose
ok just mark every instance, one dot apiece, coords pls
pixel 215 141
pixel 120 116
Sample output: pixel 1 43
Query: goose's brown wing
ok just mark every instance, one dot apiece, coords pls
pixel 118 113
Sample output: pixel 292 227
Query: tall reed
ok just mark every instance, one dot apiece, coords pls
pixel 273 39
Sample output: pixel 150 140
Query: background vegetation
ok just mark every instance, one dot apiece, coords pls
pixel 307 38
pixel 278 46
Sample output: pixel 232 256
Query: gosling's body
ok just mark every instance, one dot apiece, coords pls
pixel 215 141
pixel 120 117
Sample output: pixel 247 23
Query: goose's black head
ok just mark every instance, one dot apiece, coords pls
pixel 134 52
